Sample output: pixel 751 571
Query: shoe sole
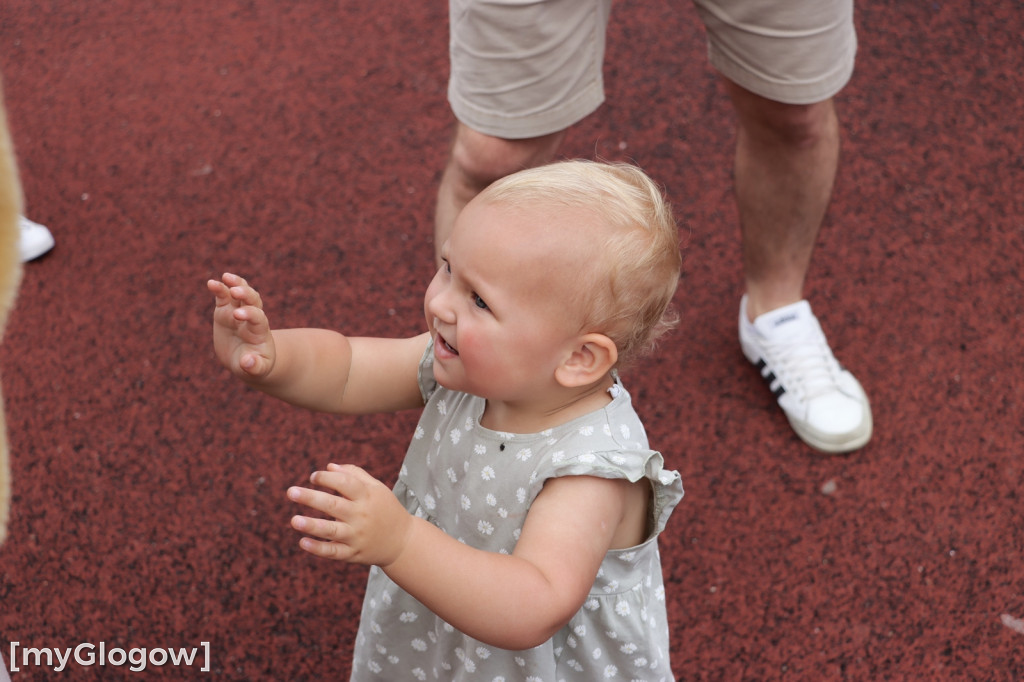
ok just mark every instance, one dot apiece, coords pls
pixel 832 444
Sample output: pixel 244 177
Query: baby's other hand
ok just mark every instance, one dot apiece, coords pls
pixel 368 524
pixel 241 332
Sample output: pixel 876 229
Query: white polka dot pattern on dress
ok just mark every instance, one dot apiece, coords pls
pixel 464 482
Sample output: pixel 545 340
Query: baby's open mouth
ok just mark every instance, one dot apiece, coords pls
pixel 447 346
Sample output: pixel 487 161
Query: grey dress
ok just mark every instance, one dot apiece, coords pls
pixel 477 485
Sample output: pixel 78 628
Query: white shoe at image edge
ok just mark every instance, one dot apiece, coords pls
pixel 34 241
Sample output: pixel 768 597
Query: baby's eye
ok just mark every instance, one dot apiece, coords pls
pixel 447 267
pixel 479 302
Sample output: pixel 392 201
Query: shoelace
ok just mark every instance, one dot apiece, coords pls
pixel 803 363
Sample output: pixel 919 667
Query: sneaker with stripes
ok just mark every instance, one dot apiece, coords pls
pixel 824 403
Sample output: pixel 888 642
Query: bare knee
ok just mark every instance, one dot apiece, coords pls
pixel 478 159
pixel 791 125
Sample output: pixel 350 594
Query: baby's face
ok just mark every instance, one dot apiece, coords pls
pixel 504 306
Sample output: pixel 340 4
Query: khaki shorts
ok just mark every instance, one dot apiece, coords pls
pixel 523 68
pixel 797 52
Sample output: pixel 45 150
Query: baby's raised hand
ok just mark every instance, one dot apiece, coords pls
pixel 241 333
pixel 368 525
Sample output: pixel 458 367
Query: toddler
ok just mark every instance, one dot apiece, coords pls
pixel 520 540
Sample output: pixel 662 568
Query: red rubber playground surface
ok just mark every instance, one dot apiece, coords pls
pixel 300 144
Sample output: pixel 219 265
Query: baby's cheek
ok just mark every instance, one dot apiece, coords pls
pixel 470 343
pixel 476 352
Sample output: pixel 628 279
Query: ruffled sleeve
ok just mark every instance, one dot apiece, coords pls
pixel 632 465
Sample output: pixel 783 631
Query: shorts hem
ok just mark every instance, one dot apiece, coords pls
pixel 799 93
pixel 532 124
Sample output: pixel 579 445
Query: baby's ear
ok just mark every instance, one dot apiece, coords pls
pixel 593 356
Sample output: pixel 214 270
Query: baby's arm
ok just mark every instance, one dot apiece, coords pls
pixel 515 601
pixel 313 368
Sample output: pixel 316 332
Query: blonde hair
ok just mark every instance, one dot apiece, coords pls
pixel 632 284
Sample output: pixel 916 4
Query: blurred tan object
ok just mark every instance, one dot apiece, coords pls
pixel 10 276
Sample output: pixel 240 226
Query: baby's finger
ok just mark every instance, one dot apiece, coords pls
pixel 323 529
pixel 347 480
pixel 254 364
pixel 251 315
pixel 233 280
pixel 246 295
pixel 219 291
pixel 326 550
pixel 326 503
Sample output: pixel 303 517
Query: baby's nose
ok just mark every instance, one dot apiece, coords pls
pixel 439 294
pixel 439 310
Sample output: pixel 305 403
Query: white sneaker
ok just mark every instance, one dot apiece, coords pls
pixel 35 240
pixel 824 403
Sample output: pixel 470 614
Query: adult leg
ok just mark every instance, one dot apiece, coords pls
pixel 786 158
pixel 477 160
pixel 783 61
pixel 521 74
pixel 785 166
